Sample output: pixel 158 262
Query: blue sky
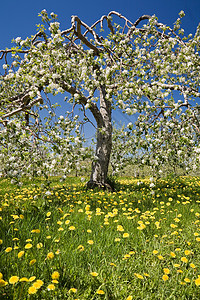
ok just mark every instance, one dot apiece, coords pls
pixel 19 17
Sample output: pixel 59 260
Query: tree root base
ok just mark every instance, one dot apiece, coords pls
pixel 99 185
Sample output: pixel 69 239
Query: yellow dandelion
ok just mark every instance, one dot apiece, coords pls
pixel 166 271
pixel 129 298
pixel 20 254
pixel 3 283
pixel 160 257
pixel 1 275
pixel 73 290
pixel 176 265
pixel 100 292
pixel 198 239
pixel 72 228
pixel 51 287
pixel 165 277
pixel 178 249
pixel 94 274
pixel 50 255
pixel 192 266
pixel 117 239
pixel 54 281
pixel 138 276
pixel 173 255
pixel 80 248
pixel 55 275
pixel 1 242
pixel 60 229
pixel 126 235
pixel 67 222
pixel 32 278
pixel 141 227
pixel 197 281
pixel 39 245
pixel 120 228
pixel 32 262
pixel 90 242
pixel 48 214
pixel 184 259
pixel 188 252
pixel 23 279
pixel 13 279
pixel 38 283
pixel 32 290
pixel 9 249
pixel 28 246
pixel 187 280
pixel 155 252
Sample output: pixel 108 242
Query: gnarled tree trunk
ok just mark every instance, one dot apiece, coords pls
pixel 100 165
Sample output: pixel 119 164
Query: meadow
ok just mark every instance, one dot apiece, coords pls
pixel 66 242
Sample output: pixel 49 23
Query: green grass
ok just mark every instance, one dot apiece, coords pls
pixel 129 238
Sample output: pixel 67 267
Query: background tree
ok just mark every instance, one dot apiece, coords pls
pixel 152 70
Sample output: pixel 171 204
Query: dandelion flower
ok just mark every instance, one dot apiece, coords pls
pixel 155 252
pixel 173 255
pixel 48 214
pixel 80 248
pixel 187 280
pixel 32 290
pixel 13 279
pixel 126 235
pixel 165 277
pixel 120 228
pixel 9 249
pixel 28 246
pixel 3 283
pixel 129 298
pixel 188 252
pixel 94 274
pixel 184 259
pixel 32 278
pixel 50 255
pixel 32 262
pixel 166 271
pixel 39 245
pixel 160 257
pixel 90 242
pixel 197 281
pixel 51 287
pixel 73 290
pixel 55 275
pixel 38 283
pixel 23 279
pixel 138 276
pixel 192 266
pixel 100 292
pixel 117 239
pixel 72 228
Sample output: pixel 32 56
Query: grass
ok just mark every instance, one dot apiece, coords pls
pixel 65 242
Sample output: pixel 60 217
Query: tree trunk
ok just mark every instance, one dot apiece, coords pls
pixel 100 165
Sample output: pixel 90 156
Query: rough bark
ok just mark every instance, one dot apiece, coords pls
pixel 100 165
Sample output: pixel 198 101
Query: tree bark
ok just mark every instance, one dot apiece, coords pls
pixel 100 164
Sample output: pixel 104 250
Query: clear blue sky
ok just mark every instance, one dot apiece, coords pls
pixel 19 17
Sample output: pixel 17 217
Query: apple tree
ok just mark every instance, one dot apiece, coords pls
pixel 144 67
